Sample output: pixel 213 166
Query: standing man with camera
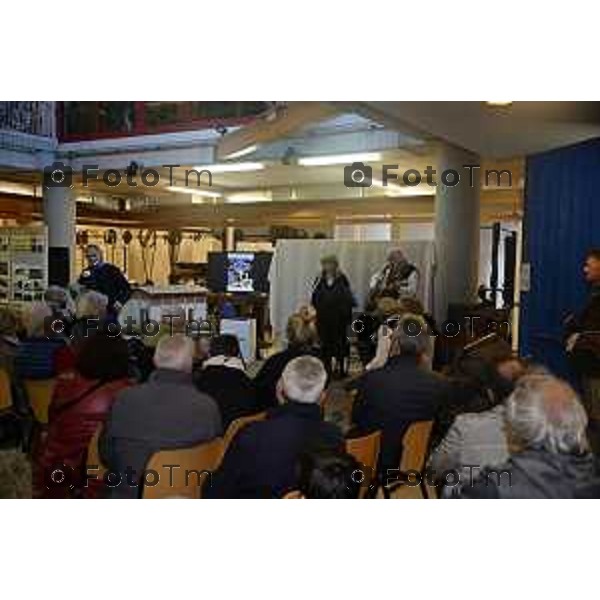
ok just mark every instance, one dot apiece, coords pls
pixel 105 278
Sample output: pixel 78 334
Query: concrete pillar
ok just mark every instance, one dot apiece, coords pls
pixel 59 217
pixel 229 239
pixel 456 229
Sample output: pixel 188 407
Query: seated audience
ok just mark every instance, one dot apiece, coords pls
pixel 80 404
pixel 302 339
pixel 89 319
pixel 261 460
pixel 482 378
pixel 328 474
pixel 223 377
pixel 36 354
pixel 388 313
pixel 479 437
pixel 546 426
pixel 60 302
pixel 404 390
pixel 165 412
pixel 90 314
pixel 140 353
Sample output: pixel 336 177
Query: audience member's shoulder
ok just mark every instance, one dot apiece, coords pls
pixel 483 486
pixel 591 489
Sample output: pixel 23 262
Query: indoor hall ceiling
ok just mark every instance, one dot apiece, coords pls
pixel 519 129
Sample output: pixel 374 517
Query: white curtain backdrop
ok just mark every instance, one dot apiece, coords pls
pixel 296 263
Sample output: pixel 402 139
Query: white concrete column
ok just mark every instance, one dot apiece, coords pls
pixel 59 217
pixel 229 238
pixel 456 228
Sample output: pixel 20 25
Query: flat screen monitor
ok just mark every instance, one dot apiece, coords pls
pixel 239 272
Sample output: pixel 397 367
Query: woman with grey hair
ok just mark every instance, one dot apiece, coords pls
pixel 333 300
pixel 546 429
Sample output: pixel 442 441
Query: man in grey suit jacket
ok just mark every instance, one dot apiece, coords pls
pixel 164 413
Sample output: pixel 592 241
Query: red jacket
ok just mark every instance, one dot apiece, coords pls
pixel 78 407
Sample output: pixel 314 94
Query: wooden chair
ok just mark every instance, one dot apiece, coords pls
pixel 415 447
pixel 5 392
pixel 238 424
pixel 194 466
pixel 39 392
pixel 365 450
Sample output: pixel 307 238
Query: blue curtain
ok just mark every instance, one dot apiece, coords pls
pixel 561 222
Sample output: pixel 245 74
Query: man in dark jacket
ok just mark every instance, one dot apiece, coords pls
pixel 583 346
pixel 546 425
pixel 164 413
pixel 105 278
pixel 262 459
pixel 404 390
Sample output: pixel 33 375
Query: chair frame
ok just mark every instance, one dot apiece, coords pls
pixel 417 465
pixel 373 438
pixel 209 455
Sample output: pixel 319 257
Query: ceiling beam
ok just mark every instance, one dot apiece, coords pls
pixel 283 121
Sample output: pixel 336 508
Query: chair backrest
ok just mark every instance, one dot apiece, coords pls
pixel 93 454
pixel 365 449
pixel 415 445
pixel 5 393
pixel 39 392
pixel 194 466
pixel 238 424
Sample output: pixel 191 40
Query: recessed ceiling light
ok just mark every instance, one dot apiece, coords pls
pixel 195 191
pixel 392 189
pixel 499 102
pixel 339 159
pixel 242 152
pixel 250 197
pixel 231 167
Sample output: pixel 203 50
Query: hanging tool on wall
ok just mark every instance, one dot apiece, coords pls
pixel 110 239
pixel 81 239
pixel 147 239
pixel 127 237
pixel 174 238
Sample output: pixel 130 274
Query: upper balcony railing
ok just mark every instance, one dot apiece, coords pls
pixel 81 121
pixel 30 117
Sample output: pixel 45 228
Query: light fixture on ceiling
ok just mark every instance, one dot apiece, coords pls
pixel 392 189
pixel 339 159
pixel 243 152
pixel 499 103
pixel 231 167
pixel 195 191
pixel 19 189
pixel 250 197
